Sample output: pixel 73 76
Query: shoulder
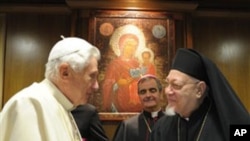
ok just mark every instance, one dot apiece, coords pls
pixel 133 119
pixel 162 119
pixel 86 108
pixel 131 122
pixel 89 107
pixel 32 96
pixel 164 122
pixel 128 125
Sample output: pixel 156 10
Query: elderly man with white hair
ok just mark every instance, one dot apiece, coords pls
pixel 42 111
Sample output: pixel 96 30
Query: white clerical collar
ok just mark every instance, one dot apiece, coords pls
pixel 154 114
pixel 59 96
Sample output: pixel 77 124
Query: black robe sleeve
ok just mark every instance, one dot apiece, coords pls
pixel 163 128
pixel 89 124
pixel 127 130
pixel 96 129
pixel 120 133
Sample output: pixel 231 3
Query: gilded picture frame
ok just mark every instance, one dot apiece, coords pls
pixel 112 32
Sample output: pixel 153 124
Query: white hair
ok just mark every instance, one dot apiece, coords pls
pixel 77 60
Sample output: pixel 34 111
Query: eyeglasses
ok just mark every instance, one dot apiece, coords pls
pixel 144 91
pixel 177 86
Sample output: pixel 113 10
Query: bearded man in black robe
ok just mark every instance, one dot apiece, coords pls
pixel 201 103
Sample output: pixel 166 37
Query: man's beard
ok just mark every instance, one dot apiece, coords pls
pixel 169 111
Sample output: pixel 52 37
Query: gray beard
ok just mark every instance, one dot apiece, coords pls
pixel 169 111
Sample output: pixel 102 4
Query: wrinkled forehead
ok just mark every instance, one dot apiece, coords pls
pixel 176 75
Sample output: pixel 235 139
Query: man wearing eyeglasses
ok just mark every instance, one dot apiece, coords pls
pixel 201 103
pixel 139 127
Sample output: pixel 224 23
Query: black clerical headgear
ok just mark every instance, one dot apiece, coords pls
pixel 189 62
pixel 225 100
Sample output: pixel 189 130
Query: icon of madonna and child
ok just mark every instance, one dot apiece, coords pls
pixel 133 60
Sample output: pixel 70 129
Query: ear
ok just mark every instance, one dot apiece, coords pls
pixel 201 89
pixel 64 70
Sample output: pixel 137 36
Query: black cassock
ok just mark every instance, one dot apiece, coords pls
pixel 202 125
pixel 212 120
pixel 89 124
pixel 137 128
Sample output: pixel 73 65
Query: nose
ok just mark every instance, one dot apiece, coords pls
pixel 168 90
pixel 95 85
pixel 148 94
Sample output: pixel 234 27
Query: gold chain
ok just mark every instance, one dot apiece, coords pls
pixel 202 125
pixel 149 129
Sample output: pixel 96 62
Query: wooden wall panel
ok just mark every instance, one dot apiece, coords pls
pixel 29 39
pixel 2 51
pixel 226 42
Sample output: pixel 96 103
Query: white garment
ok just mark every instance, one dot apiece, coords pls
pixel 39 112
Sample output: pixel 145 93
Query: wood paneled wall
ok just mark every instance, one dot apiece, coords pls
pixel 226 41
pixel 2 51
pixel 29 38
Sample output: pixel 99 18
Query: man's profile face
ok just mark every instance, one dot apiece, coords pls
pixel 85 83
pixel 181 92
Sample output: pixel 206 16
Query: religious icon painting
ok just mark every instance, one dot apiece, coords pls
pixel 132 44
